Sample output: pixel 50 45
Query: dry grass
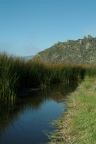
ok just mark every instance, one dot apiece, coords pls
pixel 78 125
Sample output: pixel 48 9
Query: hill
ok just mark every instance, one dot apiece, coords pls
pixel 81 51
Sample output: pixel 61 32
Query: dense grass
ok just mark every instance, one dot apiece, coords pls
pixel 78 125
pixel 16 74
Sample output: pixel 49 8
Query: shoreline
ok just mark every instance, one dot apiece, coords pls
pixel 78 124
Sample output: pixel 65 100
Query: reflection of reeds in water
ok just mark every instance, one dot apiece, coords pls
pixel 10 110
pixel 16 74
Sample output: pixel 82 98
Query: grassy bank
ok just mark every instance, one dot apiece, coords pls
pixel 17 74
pixel 78 124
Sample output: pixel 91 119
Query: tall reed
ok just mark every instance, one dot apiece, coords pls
pixel 17 74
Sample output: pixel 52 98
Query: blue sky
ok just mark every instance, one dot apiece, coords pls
pixel 29 26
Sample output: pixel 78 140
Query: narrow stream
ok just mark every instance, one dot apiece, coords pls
pixel 28 120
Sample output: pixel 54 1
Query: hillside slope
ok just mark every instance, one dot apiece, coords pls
pixel 81 51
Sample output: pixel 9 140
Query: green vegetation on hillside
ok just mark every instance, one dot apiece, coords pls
pixel 81 51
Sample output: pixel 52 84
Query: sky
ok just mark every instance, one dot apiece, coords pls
pixel 30 26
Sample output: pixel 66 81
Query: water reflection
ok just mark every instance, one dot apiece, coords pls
pixel 33 102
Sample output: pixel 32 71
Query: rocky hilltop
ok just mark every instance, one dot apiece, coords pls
pixel 81 51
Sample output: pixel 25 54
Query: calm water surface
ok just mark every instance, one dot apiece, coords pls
pixel 28 120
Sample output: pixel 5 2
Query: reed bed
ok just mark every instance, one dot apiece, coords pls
pixel 17 74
